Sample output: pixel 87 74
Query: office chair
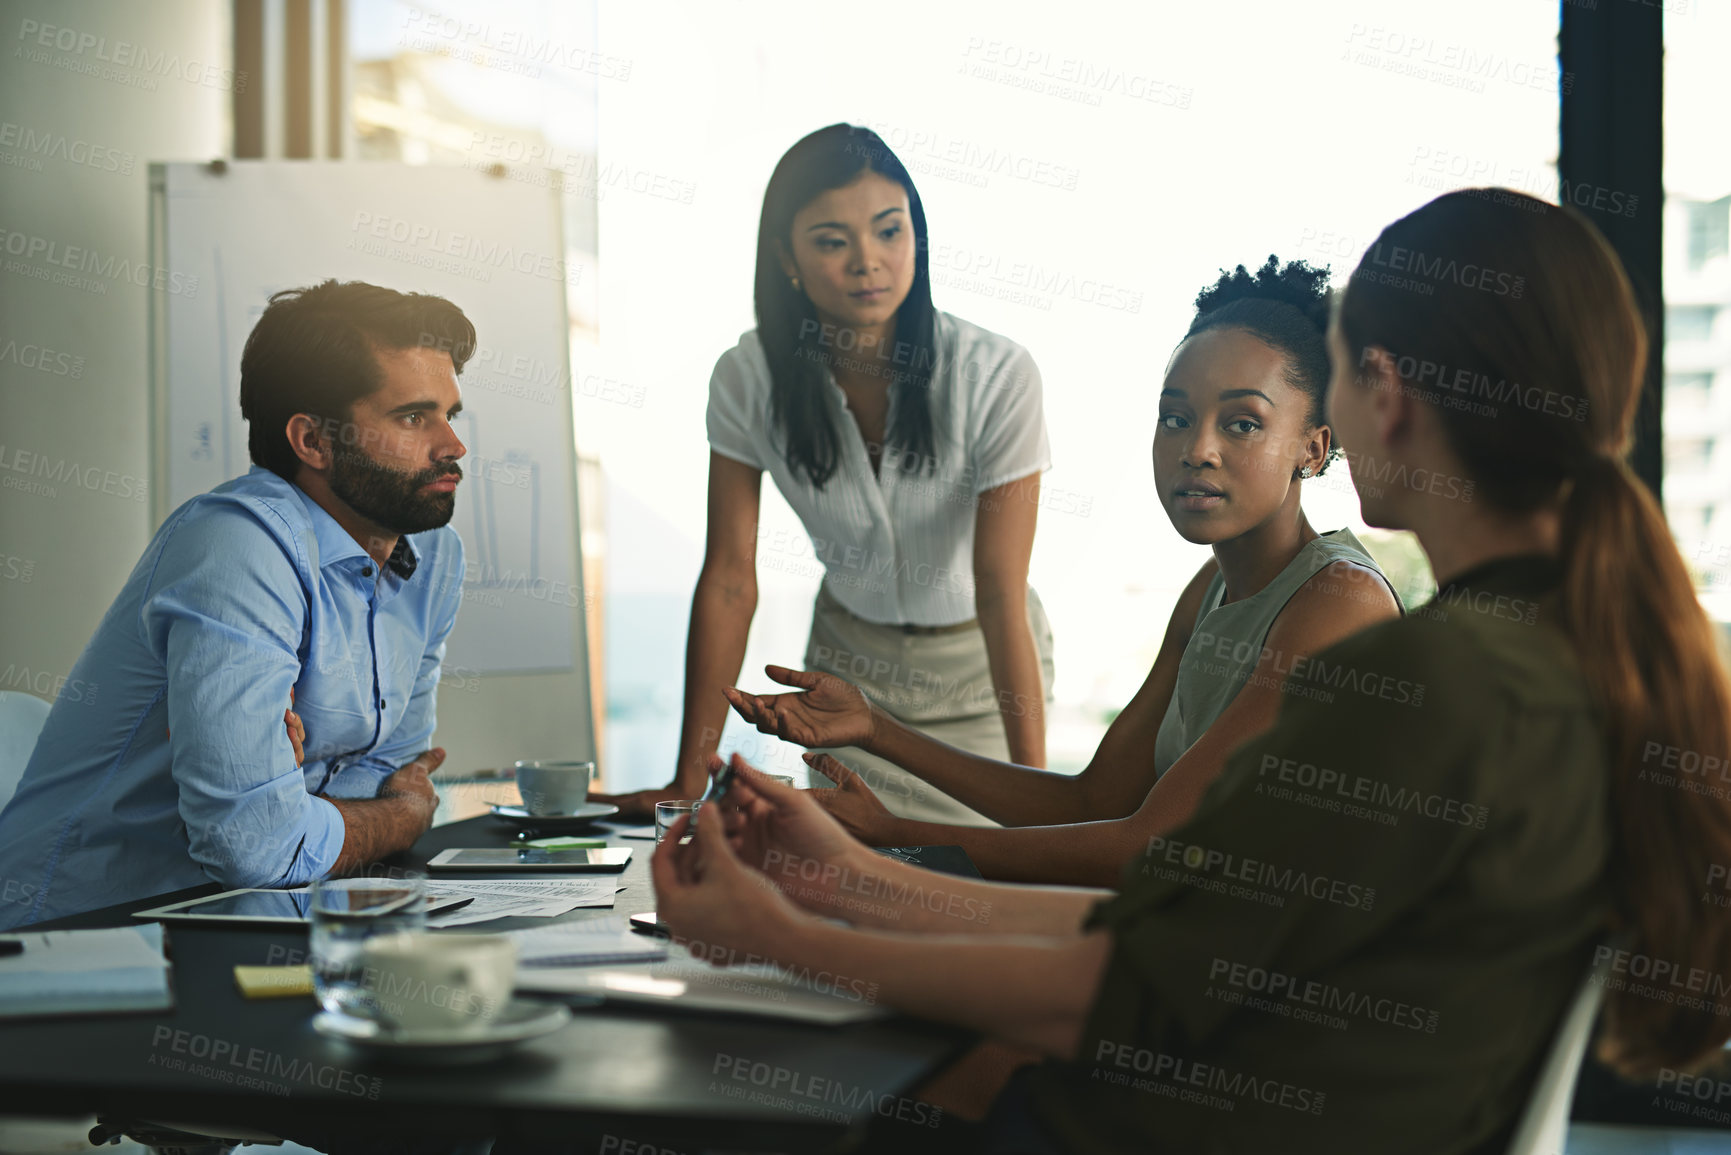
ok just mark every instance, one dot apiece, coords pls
pixel 1544 1124
pixel 21 718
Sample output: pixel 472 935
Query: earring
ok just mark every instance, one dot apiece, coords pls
pixel 1306 473
pixel 795 282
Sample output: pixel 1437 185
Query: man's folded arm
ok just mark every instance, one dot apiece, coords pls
pixel 225 613
pixel 376 827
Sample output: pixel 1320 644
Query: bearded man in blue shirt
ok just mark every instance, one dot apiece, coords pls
pixel 328 572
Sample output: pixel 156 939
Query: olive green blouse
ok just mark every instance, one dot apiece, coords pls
pixel 1366 936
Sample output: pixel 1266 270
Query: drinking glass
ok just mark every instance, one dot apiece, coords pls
pixel 346 912
pixel 667 813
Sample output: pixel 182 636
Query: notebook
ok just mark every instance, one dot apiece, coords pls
pixel 85 972
pixel 689 985
pixel 583 944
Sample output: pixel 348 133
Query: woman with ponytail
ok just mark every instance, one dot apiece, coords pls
pixel 1365 937
pixel 1529 369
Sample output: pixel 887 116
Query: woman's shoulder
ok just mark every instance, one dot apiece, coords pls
pixel 1514 655
pixel 960 329
pixel 744 367
pixel 1330 567
pixel 1342 546
pixel 979 351
pixel 748 351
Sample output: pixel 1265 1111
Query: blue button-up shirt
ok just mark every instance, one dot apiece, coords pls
pixel 165 762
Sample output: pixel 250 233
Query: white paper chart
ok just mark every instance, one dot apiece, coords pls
pixel 492 246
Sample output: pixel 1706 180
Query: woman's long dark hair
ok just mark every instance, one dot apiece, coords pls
pixel 1522 309
pixel 787 322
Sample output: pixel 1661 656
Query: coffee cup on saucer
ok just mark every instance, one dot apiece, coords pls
pixel 554 789
pixel 449 983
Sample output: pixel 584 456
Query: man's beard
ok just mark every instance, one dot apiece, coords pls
pixel 392 499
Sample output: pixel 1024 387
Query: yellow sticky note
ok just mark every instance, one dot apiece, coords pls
pixel 273 982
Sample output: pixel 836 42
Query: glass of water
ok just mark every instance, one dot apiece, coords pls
pixel 668 813
pixel 346 912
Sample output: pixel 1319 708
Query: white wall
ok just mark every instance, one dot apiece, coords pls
pixel 78 431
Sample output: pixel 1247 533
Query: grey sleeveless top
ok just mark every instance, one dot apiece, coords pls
pixel 1227 643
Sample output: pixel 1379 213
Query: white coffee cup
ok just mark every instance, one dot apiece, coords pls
pixel 552 789
pixel 439 982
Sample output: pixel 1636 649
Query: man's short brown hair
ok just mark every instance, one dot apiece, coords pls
pixel 314 351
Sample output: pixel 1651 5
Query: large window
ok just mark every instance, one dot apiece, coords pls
pixel 506 83
pixel 1709 230
pixel 1083 177
pixel 509 87
pixel 1687 323
pixel 1058 152
pixel 1697 268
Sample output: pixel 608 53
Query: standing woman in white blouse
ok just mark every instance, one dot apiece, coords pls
pixel 911 444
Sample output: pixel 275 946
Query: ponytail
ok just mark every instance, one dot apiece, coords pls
pixel 1646 650
pixel 1644 646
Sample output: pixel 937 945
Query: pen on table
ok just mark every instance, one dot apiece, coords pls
pixel 448 907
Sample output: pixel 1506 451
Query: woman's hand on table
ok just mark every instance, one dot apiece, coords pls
pixel 853 805
pixel 640 804
pixel 826 712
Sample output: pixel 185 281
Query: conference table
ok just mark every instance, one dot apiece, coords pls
pixel 618 1077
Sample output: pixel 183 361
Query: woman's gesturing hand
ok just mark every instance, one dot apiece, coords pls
pixel 828 711
pixel 852 803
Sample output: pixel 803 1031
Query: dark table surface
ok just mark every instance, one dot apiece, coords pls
pixel 615 1074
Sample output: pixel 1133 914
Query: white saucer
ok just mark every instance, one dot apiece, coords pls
pixel 519 1020
pixel 584 814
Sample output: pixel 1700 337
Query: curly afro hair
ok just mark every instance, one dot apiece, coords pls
pixel 1285 306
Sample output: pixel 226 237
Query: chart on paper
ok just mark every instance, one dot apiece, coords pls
pixel 493 248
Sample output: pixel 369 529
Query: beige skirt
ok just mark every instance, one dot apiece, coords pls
pixel 938 683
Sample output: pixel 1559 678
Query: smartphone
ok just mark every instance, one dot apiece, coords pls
pixel 532 858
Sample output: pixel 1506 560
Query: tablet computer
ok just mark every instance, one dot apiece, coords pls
pixel 237 906
pixel 267 906
pixel 531 858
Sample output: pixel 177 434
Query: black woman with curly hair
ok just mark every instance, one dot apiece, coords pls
pixel 1241 426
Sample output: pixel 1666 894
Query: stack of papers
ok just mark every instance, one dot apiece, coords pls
pixel 582 945
pixel 760 991
pixel 519 898
pixel 65 972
